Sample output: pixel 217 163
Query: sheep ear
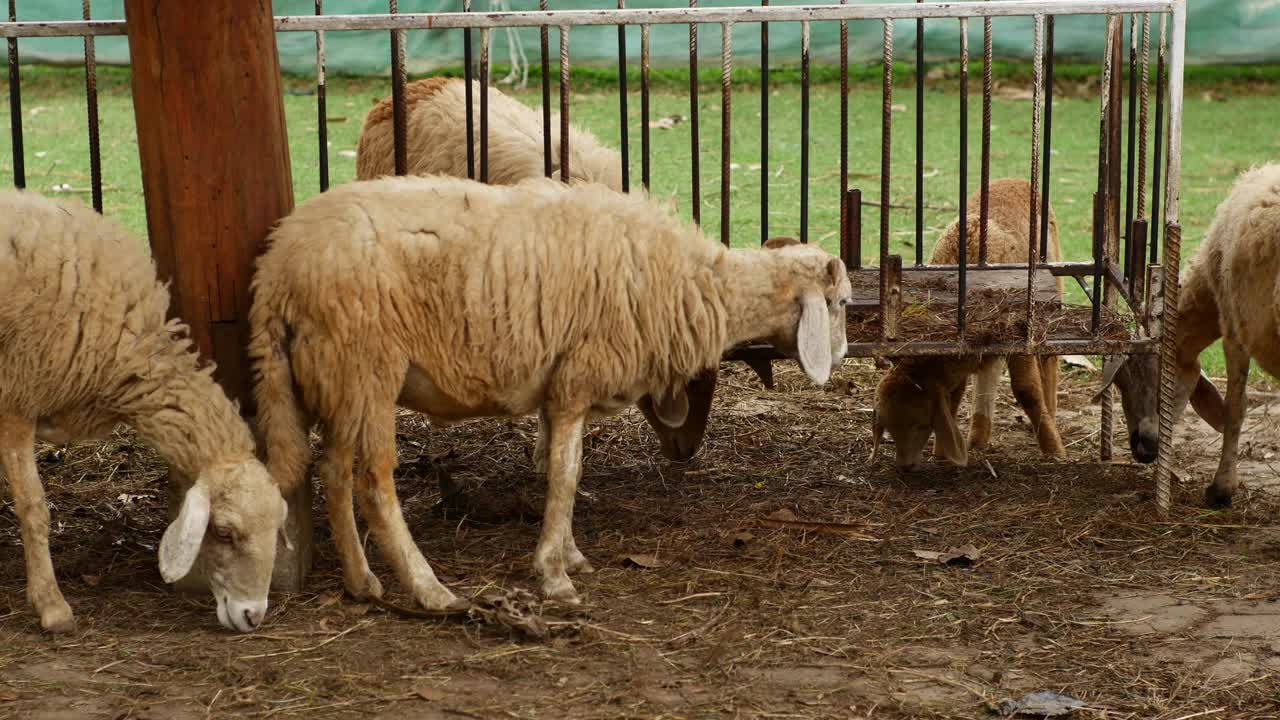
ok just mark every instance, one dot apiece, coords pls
pixel 780 241
pixel 813 337
pixel 1111 365
pixel 1208 403
pixel 672 407
pixel 947 442
pixel 181 542
pixel 835 269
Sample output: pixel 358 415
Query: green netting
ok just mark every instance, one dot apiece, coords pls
pixel 1218 31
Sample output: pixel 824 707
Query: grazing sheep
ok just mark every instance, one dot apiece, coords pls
pixel 84 345
pixel 436 132
pixel 1229 290
pixel 920 396
pixel 462 300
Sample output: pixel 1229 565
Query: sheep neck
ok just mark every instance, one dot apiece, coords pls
pixel 1198 323
pixel 757 294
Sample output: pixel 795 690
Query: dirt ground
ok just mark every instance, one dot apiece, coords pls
pixel 774 576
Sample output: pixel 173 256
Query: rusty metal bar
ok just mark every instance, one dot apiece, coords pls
pixel 804 132
pixel 886 131
pixel 468 74
pixel 564 103
pixel 1037 101
pixel 1139 255
pixel 935 348
pixel 984 198
pixel 851 245
pixel 622 102
pixel 1104 168
pixel 484 105
pixel 920 140
pixel 892 309
pixel 544 40
pixel 764 128
pixel 1158 146
pixel 726 124
pixel 15 106
pixel 1143 136
pixel 322 111
pixel 644 105
pixel 1048 139
pixel 696 165
pixel 91 105
pixel 1095 322
pixel 398 128
pixel 1131 140
pixel 844 134
pixel 962 285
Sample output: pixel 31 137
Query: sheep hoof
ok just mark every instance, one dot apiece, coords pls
pixel 560 589
pixel 370 587
pixel 580 565
pixel 435 597
pixel 58 619
pixel 1217 497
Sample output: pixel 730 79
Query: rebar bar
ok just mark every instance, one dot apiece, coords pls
pixel 398 128
pixel 644 105
pixel 844 135
pixel 1037 101
pixel 622 103
pixel 1160 141
pixel 484 105
pixel 1048 139
pixel 564 103
pixel 764 128
pixel 544 40
pixel 963 243
pixel 920 78
pixel 804 132
pixel 886 131
pixel 695 164
pixel 726 124
pixel 984 200
pixel 91 106
pixel 322 112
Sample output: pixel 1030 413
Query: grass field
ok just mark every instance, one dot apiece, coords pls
pixel 1220 139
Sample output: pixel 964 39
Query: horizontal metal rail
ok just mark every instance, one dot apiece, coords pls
pixel 949 348
pixel 637 16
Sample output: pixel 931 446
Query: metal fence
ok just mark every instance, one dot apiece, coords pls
pixel 1126 239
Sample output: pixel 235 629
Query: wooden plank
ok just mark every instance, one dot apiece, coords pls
pixel 940 288
pixel 215 174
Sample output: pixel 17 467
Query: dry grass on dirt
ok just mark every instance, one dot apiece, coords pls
pixel 775 576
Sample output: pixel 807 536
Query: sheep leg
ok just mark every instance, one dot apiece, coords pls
pixel 1049 385
pixel 565 463
pixel 575 561
pixel 335 472
pixel 540 446
pixel 984 404
pixel 381 508
pixel 1226 480
pixel 1024 375
pixel 17 453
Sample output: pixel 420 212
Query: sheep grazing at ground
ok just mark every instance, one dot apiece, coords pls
pixel 461 300
pixel 436 138
pixel 1229 290
pixel 84 345
pixel 920 396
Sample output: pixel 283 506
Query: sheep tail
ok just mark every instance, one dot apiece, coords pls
pixel 281 420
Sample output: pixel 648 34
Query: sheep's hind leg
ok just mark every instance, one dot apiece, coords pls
pixel 1226 480
pixel 1024 375
pixel 555 555
pixel 381 509
pixel 17 452
pixel 984 403
pixel 542 445
pixel 335 472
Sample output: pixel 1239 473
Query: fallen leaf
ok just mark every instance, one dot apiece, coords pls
pixel 8 696
pixel 962 556
pixel 91 580
pixel 647 562
pixel 429 693
pixel 1260 596
pixel 783 515
pixel 1043 703
pixel 1079 361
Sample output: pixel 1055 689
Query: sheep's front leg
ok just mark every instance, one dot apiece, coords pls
pixel 542 445
pixel 1225 481
pixel 551 559
pixel 335 473
pixel 984 404
pixel 1024 375
pixel 381 508
pixel 17 454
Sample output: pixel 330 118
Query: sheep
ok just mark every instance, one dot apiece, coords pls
pixel 436 111
pixel 84 345
pixel 920 396
pixel 422 292
pixel 1229 290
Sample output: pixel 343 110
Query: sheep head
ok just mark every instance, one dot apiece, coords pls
pixel 227 527
pixel 818 285
pixel 911 407
pixel 680 419
pixel 1138 379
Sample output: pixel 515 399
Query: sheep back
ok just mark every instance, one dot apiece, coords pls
pixel 1008 231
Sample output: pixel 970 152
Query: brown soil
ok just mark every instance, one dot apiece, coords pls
pixel 776 577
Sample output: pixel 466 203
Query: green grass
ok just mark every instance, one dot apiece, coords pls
pixel 1223 135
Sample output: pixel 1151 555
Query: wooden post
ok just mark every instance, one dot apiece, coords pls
pixel 215 172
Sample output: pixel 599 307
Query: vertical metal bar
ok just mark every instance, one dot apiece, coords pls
pixel 964 178
pixel 322 111
pixel 644 105
pixel 564 103
pixel 397 97
pixel 1048 140
pixel 854 210
pixel 1109 206
pixel 804 131
pixel 484 105
pixel 726 125
pixel 920 140
pixel 468 94
pixel 1037 101
pixel 546 94
pixel 91 103
pixel 844 135
pixel 1095 298
pixel 1139 250
pixel 764 128
pixel 15 107
pixel 622 102
pixel 984 198
pixel 1131 139
pixel 1139 259
pixel 696 166
pixel 1104 162
pixel 886 131
pixel 1157 179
